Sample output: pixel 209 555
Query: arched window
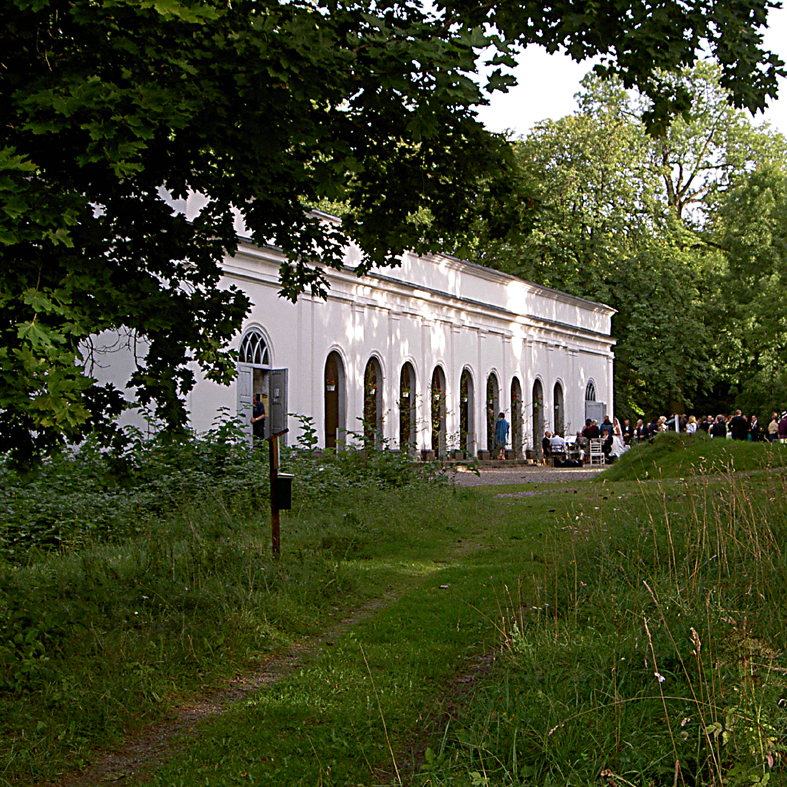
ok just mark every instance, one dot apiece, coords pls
pixel 538 418
pixel 438 411
pixel 559 410
pixel 254 369
pixel 335 417
pixel 407 409
pixel 516 417
pixel 492 409
pixel 373 404
pixel 466 413
pixel 590 392
pixel 254 349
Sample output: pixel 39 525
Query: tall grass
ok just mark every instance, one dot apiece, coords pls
pixel 651 652
pixel 160 583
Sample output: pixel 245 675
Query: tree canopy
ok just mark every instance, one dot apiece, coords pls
pixel 679 231
pixel 112 110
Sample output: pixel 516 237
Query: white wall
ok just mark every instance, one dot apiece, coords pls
pixel 430 311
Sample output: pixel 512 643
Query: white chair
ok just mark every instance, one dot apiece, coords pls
pixel 596 451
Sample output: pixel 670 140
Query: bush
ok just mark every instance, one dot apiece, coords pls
pixel 88 495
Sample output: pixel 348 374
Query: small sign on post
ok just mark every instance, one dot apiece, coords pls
pixel 273 453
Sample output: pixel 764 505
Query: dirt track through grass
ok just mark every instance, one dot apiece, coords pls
pixel 141 755
pixel 461 594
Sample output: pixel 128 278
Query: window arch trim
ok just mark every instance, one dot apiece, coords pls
pixel 254 349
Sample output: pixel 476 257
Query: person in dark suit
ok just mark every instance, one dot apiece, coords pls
pixel 739 426
pixel 628 432
pixel 719 428
pixel 258 418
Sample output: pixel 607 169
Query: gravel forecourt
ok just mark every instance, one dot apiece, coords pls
pixel 521 474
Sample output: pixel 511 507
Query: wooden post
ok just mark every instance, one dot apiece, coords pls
pixel 273 454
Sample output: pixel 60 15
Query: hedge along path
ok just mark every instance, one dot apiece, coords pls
pixel 359 703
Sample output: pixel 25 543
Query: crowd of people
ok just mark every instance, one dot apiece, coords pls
pixel 736 427
pixel 617 438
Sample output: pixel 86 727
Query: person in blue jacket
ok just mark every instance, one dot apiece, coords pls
pixel 501 436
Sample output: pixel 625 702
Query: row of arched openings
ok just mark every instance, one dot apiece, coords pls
pixel 372 428
pixel 253 351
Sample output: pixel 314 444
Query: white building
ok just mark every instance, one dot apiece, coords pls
pixel 423 356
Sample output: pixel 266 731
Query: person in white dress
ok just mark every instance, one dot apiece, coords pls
pixel 618 446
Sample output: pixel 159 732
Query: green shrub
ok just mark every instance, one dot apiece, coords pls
pixel 101 632
pixel 87 495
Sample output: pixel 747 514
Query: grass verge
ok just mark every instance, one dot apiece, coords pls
pixel 650 650
pixel 347 716
pixel 103 640
pixel 672 455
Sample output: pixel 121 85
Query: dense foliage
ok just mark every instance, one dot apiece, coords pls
pixel 681 232
pixel 113 113
pixel 91 496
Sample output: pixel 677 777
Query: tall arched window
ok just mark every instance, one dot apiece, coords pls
pixel 558 405
pixel 466 413
pixel 516 417
pixel 254 362
pixel 590 392
pixel 407 409
pixel 538 417
pixel 335 398
pixel 373 404
pixel 438 411
pixel 492 409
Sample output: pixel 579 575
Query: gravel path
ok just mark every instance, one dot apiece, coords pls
pixel 522 475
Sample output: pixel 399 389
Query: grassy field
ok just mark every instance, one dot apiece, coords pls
pixel 674 455
pixel 650 650
pixel 636 621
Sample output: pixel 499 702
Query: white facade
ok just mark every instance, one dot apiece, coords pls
pixel 471 324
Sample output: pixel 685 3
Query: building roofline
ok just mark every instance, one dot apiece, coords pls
pixel 496 308
pixel 349 274
pixel 492 273
pixel 561 294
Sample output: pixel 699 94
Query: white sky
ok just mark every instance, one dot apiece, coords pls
pixel 547 84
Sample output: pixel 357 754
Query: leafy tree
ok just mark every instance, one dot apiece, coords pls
pixel 588 176
pixel 751 226
pixel 628 218
pixel 113 112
